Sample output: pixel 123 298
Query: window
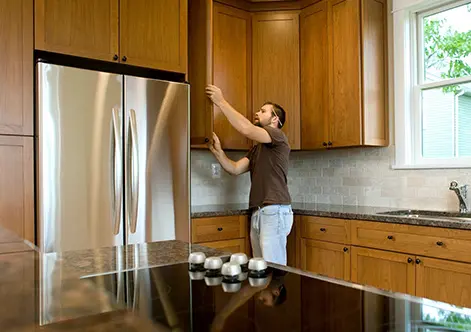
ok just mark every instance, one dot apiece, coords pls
pixel 438 110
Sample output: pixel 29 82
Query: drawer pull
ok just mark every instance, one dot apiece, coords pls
pixel 390 237
pixel 440 243
pixel 410 260
pixel 323 229
pixel 418 261
pixel 345 249
pixel 219 229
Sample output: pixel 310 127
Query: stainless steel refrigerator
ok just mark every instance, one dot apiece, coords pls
pixel 112 159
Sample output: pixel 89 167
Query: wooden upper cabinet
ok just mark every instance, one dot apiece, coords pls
pixel 314 77
pixel 16 192
pixel 86 28
pixel 16 67
pixel 276 67
pixel 153 34
pixel 232 70
pixel 345 72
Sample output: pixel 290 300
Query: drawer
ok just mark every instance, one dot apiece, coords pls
pixel 232 246
pixel 218 228
pixel 326 229
pixel 419 240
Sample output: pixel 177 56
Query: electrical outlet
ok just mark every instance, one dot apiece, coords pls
pixel 215 171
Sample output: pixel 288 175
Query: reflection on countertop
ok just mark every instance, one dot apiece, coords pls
pixel 333 211
pixel 37 289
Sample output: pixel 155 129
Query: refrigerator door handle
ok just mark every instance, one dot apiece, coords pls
pixel 117 172
pixel 134 171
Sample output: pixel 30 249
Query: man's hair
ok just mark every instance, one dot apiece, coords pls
pixel 279 111
pixel 280 299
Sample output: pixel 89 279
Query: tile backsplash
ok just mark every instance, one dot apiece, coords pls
pixel 361 176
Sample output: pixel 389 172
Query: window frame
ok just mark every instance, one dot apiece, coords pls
pixel 409 83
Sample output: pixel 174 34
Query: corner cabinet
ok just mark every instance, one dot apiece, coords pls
pixel 220 53
pixel 146 33
pixel 344 93
pixel 276 67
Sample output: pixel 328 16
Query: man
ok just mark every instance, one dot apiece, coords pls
pixel 270 202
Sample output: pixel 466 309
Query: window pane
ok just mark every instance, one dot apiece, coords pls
pixel 446 122
pixel 447 44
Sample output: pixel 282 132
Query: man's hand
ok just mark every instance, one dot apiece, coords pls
pixel 215 94
pixel 215 145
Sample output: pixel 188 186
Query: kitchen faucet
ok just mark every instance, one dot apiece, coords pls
pixel 462 193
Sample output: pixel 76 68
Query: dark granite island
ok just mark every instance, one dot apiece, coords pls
pixel 83 291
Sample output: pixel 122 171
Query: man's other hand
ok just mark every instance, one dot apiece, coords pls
pixel 215 94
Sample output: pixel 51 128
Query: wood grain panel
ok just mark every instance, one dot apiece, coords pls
pixel 232 70
pixel 153 33
pixel 345 73
pixel 200 70
pixel 16 67
pixel 444 281
pixel 218 228
pixel 276 67
pixel 17 193
pixel 326 229
pixel 383 269
pixel 374 37
pixel 314 77
pixel 86 28
pixel 232 246
pixel 329 259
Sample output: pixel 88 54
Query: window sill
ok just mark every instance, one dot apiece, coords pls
pixel 431 166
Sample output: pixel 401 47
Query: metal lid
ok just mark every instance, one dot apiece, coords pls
pixel 196 258
pixel 213 263
pixel 231 269
pixel 257 264
pixel 239 258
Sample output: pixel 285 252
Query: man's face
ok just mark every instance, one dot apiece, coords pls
pixel 267 296
pixel 264 116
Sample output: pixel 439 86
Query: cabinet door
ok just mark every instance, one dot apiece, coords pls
pixel 314 77
pixel 276 67
pixel 200 70
pixel 16 194
pixel 233 246
pixel 344 72
pixel 329 259
pixel 86 28
pixel 153 34
pixel 232 68
pixel 443 280
pixel 383 269
pixel 16 67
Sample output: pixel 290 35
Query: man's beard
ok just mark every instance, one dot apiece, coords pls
pixel 258 123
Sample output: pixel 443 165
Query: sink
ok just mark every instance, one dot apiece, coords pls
pixel 434 215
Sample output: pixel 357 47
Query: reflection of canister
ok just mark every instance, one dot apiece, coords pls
pixel 231 287
pixel 213 281
pixel 258 282
pixel 196 275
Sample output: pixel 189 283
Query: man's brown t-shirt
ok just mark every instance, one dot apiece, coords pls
pixel 269 170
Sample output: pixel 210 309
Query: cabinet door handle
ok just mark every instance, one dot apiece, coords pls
pixel 124 58
pixel 329 143
pixel 115 57
pixel 323 229
pixel 324 144
pixel 219 229
pixel 390 237
pixel 345 249
pixel 409 260
pixel 440 243
pixel 418 261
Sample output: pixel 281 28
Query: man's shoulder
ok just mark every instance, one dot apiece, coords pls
pixel 277 136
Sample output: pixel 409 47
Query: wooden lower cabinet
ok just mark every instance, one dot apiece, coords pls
pixel 233 246
pixel 383 269
pixel 325 258
pixel 445 281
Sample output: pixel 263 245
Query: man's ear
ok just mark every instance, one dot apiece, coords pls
pixel 276 292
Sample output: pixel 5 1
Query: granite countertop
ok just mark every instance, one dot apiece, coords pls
pixel 44 289
pixel 339 211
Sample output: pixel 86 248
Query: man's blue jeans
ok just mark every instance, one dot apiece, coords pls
pixel 269 230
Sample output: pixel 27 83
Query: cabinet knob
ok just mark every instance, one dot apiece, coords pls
pixel 329 143
pixel 390 237
pixel 440 243
pixel 219 229
pixel 418 261
pixel 345 249
pixel 409 260
pixel 124 58
pixel 324 144
pixel 323 229
pixel 206 140
pixel 115 57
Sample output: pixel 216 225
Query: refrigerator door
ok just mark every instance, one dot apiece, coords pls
pixel 156 160
pixel 80 158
